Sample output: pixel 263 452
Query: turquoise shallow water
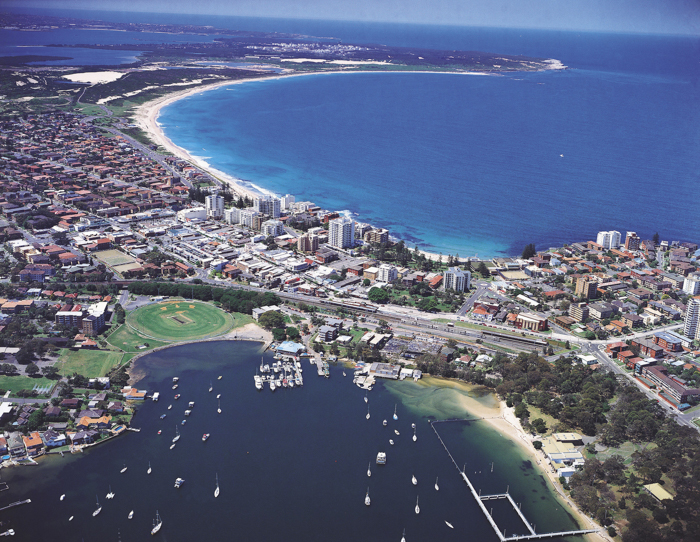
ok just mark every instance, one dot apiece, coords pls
pixel 291 464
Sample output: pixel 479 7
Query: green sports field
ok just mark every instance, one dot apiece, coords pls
pixel 180 321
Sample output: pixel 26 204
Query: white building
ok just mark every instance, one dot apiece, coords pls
pixel 246 217
pixel 287 201
pixel 267 205
pixel 232 215
pixel 195 213
pixel 691 284
pixel 341 232
pixel 691 327
pixel 387 273
pixel 272 228
pixel 609 239
pixel 214 205
pixel 457 280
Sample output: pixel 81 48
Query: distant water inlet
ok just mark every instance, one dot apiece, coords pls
pixel 532 535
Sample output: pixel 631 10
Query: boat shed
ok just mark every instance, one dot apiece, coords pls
pixel 385 370
pixel 289 348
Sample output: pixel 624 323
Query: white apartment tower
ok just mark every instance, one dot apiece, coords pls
pixel 691 284
pixel 387 273
pixel 272 228
pixel 267 205
pixel 214 204
pixel 341 232
pixel 232 215
pixel 691 327
pixel 456 279
pixel 609 239
pixel 287 201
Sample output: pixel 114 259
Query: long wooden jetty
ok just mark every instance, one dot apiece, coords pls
pixel 532 535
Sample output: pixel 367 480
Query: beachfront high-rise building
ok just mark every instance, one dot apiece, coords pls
pixel 287 201
pixel 609 239
pixel 341 232
pixel 214 204
pixel 691 284
pixel 267 205
pixel 691 326
pixel 457 280
pixel 632 241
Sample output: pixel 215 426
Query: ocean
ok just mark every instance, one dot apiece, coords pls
pixel 291 465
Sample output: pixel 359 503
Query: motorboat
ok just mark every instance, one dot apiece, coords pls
pixel 273 386
pixel 367 500
pixel 179 482
pixel 366 398
pixel 157 524
pixel 131 515
pixel 381 458
pixel 220 377
pixel 175 379
pixel 177 396
pixel 162 416
pixel 183 422
pixel 205 437
pixel 413 426
pixel 175 386
pixel 188 412
pixel 172 446
pixel 384 423
pixel 449 524
pixel 258 382
pixel 170 406
pixel 219 409
pixel 391 442
pixel 211 387
pixel 71 518
pixel 414 481
pixel 191 404
pixel 403 537
pixel 218 396
pixel 62 497
pixel 397 432
pixel 160 431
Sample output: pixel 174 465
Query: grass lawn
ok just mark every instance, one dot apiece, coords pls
pixel 626 449
pixel 17 383
pixel 89 363
pixel 173 321
pixel 549 420
pixel 128 340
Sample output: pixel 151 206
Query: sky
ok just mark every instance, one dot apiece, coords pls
pixel 642 16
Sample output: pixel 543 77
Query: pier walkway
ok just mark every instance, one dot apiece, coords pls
pixel 481 498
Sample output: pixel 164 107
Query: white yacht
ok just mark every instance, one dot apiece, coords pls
pixel 110 495
pixel 157 524
pixel 369 470
pixel 417 507
pixel 131 515
pixel 149 468
pixel 177 435
pixel 258 382
pixel 414 481
pixel 415 438
pixel 384 423
pixel 449 524
pixel 367 501
pixel 179 482
pixel 395 416
pixel 219 409
pixel 437 488
pixel 391 442
pixel 273 386
pixel 381 458
pixel 403 537
pixel 99 508
pixel 124 469
pixel 62 497
pixel 367 412
pixel 211 387
pixel 216 491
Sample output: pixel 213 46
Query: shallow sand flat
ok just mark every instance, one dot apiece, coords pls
pixel 94 77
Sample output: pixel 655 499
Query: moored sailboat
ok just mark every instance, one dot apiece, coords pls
pixel 216 491
pixel 367 499
pixel 149 468
pixel 177 435
pixel 99 508
pixel 395 416
pixel 437 488
pixel 417 507
pixel 157 524
pixel 367 412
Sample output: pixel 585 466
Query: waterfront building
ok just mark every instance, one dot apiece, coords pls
pixel 287 201
pixel 214 204
pixel 608 239
pixel 691 284
pixel 387 273
pixel 341 232
pixel 632 241
pixel 456 279
pixel 267 205
pixel 691 326
pixel 272 228
pixel 377 236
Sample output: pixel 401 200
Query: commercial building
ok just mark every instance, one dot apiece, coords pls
pixel 456 279
pixel 214 204
pixel 341 232
pixel 608 239
pixel 530 321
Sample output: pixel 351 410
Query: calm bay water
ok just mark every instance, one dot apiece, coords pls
pixel 291 464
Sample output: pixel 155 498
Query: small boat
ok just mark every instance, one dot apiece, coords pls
pixel 415 438
pixel 403 537
pixel 413 426
pixel 162 416
pixel 367 412
pixel 191 404
pixel 205 437
pixel 124 469
pixel 367 501
pixel 170 406
pixel 183 422
pixel 218 396
pixel 449 524
pixel 216 491
pixel 71 518
pixel 211 387
pixel 110 495
pixel 177 435
pixel 160 431
pixel 437 488
pixel 397 431
pixel 220 377
pixel 131 515
pixel 177 396
pixel 172 446
pixel 175 379
pixel 62 497
pixel 273 386
pixel 219 409
pixel 175 386
pixel 391 442
pixel 381 458
pixel 344 373
pixel 157 524
pixel 366 398
pixel 417 507
pixel 395 416
pixel 179 482
pixel 99 508
pixel 149 468
pixel 188 412
pixel 414 481
pixel 369 471
pixel 384 423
